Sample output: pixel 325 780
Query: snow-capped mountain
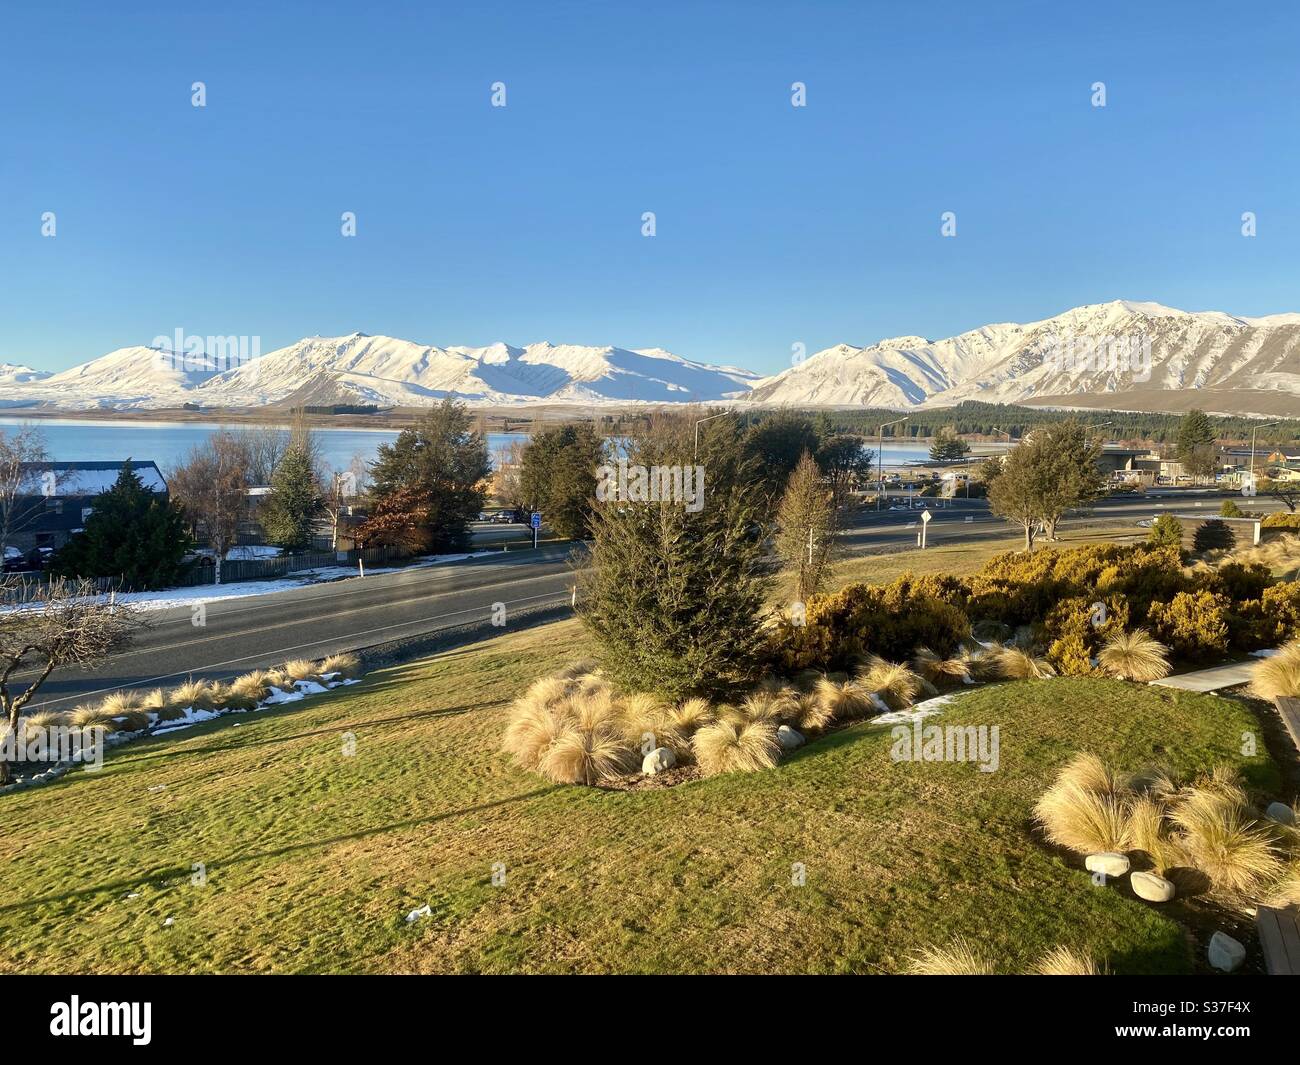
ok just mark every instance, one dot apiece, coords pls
pixel 1122 354
pixel 386 371
pixel 1137 356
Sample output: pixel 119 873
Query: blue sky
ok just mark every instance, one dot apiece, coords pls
pixel 775 224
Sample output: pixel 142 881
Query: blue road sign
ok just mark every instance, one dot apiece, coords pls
pixel 536 521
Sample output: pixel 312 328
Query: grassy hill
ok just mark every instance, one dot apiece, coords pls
pixel 313 857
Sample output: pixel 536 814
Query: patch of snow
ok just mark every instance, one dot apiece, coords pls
pixel 921 710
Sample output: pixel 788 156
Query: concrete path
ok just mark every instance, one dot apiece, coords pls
pixel 1214 679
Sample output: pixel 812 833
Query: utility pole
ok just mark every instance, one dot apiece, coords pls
pixel 880 457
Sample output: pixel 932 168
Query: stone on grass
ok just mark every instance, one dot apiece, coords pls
pixel 1109 862
pixel 1151 887
pixel 1281 813
pixel 1225 953
pixel 657 761
pixel 788 738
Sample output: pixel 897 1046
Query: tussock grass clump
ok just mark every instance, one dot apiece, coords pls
pixel 811 714
pixel 1134 656
pixel 586 755
pixel 225 697
pixel 1015 663
pixel 255 685
pixel 297 669
pixel 193 693
pixel 732 747
pixel 894 684
pixel 581 668
pixel 690 715
pixel 1220 838
pixel 957 959
pixel 1062 961
pixel 1147 831
pixel 1286 891
pixel 43 719
pixel 92 716
pixel 532 728
pixel 767 706
pixel 346 665
pixel 1279 675
pixel 128 721
pixel 845 700
pixel 1081 820
pixel 940 671
pixel 120 702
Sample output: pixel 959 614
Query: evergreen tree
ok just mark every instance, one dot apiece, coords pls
pixel 1196 444
pixel 673 596
pixel 132 533
pixel 1166 531
pixel 806 529
pixel 445 462
pixel 294 501
pixel 947 445
pixel 558 476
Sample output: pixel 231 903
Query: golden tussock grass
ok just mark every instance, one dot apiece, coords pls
pixel 732 747
pixel 895 684
pixel 957 959
pixel 1279 675
pixel 1134 656
pixel 1062 961
pixel 346 665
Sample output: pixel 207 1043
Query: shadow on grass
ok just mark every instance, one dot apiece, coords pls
pixel 183 872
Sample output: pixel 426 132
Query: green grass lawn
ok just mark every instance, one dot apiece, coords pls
pixel 314 858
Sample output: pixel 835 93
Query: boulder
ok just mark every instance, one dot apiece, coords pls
pixel 788 738
pixel 1109 862
pixel 657 761
pixel 1281 813
pixel 1151 887
pixel 1225 953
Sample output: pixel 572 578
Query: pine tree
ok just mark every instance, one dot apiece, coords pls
pixel 132 533
pixel 947 445
pixel 558 476
pixel 806 529
pixel 447 462
pixel 673 597
pixel 294 501
pixel 1196 444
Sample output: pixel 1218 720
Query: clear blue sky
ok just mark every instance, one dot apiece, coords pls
pixel 775 224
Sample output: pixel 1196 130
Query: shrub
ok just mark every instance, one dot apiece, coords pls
pixel 1166 531
pixel 956 959
pixel 1076 631
pixel 1193 624
pixel 1214 535
pixel 1135 656
pixel 1062 961
pixel 1281 520
pixel 728 747
pixel 1229 509
pixel 1279 675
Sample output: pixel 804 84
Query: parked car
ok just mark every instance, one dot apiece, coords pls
pixel 506 517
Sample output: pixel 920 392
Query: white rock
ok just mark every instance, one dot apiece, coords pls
pixel 1281 813
pixel 1109 862
pixel 1225 953
pixel 657 761
pixel 788 738
pixel 423 911
pixel 1151 887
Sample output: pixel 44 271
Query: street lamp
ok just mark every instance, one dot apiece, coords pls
pixel 701 422
pixel 880 456
pixel 1268 425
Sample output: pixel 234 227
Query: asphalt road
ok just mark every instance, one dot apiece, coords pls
pixel 239 635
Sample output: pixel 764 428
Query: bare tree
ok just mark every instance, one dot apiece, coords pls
pixel 212 488
pixel 65 624
pixel 25 476
pixel 264 446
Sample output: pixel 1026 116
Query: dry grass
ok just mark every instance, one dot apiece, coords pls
pixel 43 719
pixel 224 696
pixel 120 702
pixel 844 700
pixel 299 669
pixel 767 706
pixel 690 715
pixel 254 685
pixel 1147 831
pixel 193 693
pixel 91 716
pixel 1082 820
pixel 1279 675
pixel 585 755
pixel 1286 891
pixel 896 685
pixel 1015 663
pixel 1062 961
pixel 732 747
pixel 128 720
pixel 811 714
pixel 1085 770
pixel 581 668
pixel 1135 656
pixel 1220 838
pixel 940 671
pixel 347 665
pixel 532 727
pixel 956 959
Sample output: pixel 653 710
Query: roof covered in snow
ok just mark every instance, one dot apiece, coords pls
pixel 62 479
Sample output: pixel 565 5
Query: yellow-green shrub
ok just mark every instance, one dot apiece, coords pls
pixel 1193 624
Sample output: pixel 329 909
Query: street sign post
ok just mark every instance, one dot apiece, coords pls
pixel 536 522
pixel 925 524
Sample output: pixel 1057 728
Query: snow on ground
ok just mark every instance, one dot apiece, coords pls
pixel 921 710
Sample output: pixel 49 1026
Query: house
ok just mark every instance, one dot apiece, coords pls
pixel 54 499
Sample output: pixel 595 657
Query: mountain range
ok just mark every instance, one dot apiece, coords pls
pixel 1123 355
